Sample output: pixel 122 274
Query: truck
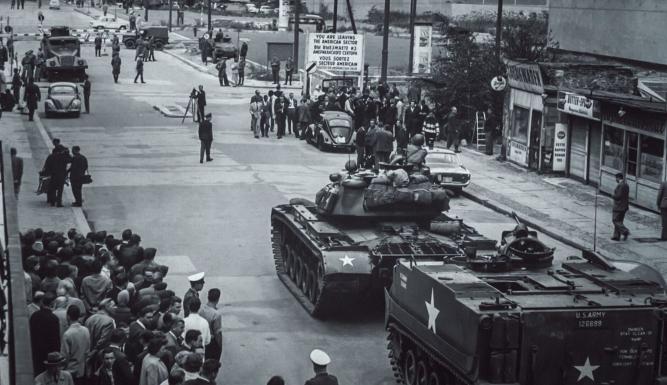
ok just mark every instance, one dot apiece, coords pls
pixel 159 34
pixel 62 53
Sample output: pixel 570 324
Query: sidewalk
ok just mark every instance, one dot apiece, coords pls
pixel 193 61
pixel 563 208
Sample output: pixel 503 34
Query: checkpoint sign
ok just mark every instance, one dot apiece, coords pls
pixel 336 51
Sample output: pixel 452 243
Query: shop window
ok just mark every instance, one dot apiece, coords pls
pixel 650 158
pixel 633 149
pixel 520 122
pixel 613 148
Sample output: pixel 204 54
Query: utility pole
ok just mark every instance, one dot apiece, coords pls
pixel 385 41
pixel 171 5
pixel 297 15
pixel 500 95
pixel 335 16
pixel 145 10
pixel 413 14
pixel 209 15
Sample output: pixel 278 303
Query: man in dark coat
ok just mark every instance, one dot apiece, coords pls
pixel 151 49
pixel 244 49
pixel 122 368
pixel 44 332
pixel 621 204
pixel 490 126
pixel 360 142
pixel 453 129
pixel 280 113
pixel 662 205
pixel 222 72
pixel 16 85
pixel 86 94
pixel 275 70
pixel 140 69
pixel 412 118
pixel 17 170
pixel 206 138
pixel 55 166
pixel 303 116
pixel 98 45
pixel 115 66
pixel 31 97
pixel 207 374
pixel 201 103
pixel 384 144
pixel 77 170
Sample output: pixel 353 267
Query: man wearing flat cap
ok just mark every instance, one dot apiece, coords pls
pixel 621 204
pixel 206 138
pixel 320 361
pixel 196 285
pixel 207 374
pixel 53 374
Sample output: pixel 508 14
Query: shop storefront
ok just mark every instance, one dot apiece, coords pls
pixel 633 143
pixel 580 120
pixel 531 118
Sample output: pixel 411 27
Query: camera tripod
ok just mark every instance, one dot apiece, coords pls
pixel 193 96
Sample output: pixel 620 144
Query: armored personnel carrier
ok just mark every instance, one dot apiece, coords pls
pixel 522 317
pixel 343 247
pixel 63 55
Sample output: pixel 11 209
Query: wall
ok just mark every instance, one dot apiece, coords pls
pixel 628 29
pixel 361 7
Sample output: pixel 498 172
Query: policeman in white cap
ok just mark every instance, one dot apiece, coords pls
pixel 320 361
pixel 196 285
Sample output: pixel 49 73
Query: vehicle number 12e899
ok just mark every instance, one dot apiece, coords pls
pixel 590 319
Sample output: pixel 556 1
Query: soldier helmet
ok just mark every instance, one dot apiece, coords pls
pixel 417 140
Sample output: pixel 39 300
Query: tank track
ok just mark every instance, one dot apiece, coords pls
pixel 434 366
pixel 319 304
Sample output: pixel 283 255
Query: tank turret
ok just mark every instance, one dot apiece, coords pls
pixel 393 194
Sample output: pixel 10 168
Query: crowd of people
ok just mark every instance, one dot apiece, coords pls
pixel 373 111
pixel 101 313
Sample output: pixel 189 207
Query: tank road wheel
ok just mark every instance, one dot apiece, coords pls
pixel 287 251
pixel 292 264
pixel 299 272
pixel 410 368
pixel 422 373
pixel 434 378
pixel 305 273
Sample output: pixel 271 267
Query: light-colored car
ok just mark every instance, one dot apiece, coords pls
pixel 266 10
pixel 251 8
pixel 108 22
pixel 54 4
pixel 447 170
pixel 62 98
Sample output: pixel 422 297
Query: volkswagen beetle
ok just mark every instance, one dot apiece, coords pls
pixel 62 98
pixel 335 131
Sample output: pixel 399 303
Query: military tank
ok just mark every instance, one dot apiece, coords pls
pixel 519 316
pixel 342 248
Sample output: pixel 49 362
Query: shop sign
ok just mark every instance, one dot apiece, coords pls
pixel 525 77
pixel 560 147
pixel 498 83
pixel 336 51
pixel 574 104
pixel 422 51
pixel 518 153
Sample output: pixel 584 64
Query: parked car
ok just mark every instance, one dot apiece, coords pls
pixel 251 8
pixel 62 98
pixel 108 22
pixel 334 132
pixel 447 170
pixel 266 10
pixel 54 4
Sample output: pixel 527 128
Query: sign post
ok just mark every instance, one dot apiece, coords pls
pixel 422 49
pixel 283 14
pixel 560 147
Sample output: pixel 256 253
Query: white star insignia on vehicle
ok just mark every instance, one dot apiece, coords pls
pixel 432 312
pixel 586 370
pixel 347 260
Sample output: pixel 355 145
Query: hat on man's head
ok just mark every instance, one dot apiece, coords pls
pixel 196 277
pixel 208 115
pixel 619 175
pixel 319 357
pixel 54 359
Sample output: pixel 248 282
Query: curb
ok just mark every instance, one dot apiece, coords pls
pixel 79 215
pixel 202 70
pixel 499 207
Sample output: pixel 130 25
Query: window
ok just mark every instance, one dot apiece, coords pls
pixel 613 148
pixel 650 158
pixel 520 121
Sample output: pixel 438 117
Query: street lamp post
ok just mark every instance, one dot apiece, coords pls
pixel 145 10
pixel 500 95
pixel 171 6
pixel 385 41
pixel 413 13
pixel 297 15
pixel 209 15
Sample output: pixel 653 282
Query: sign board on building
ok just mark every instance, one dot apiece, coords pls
pixel 560 147
pixel 336 51
pixel 574 104
pixel 498 83
pixel 518 153
pixel 283 13
pixel 525 76
pixel 421 51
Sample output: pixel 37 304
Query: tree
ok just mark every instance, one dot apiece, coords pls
pixel 527 38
